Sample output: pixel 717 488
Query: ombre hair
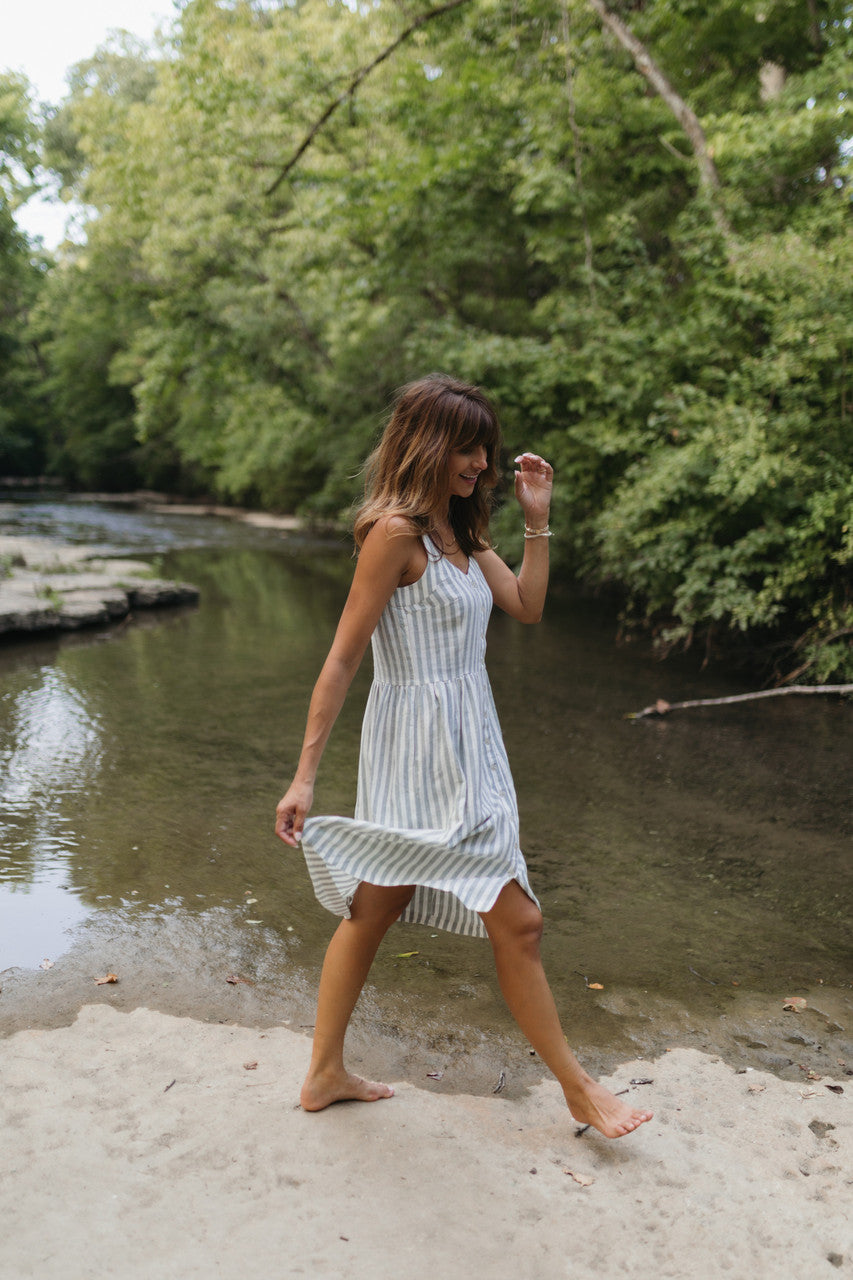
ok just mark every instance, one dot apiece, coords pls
pixel 406 475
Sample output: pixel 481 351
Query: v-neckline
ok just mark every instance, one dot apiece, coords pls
pixel 447 560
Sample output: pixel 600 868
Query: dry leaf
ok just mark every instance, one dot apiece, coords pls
pixel 250 901
pixel 254 922
pixel 406 955
pixel 434 1075
pixel 46 964
pixel 582 1179
pixel 595 986
pixel 793 1004
pixel 756 1088
pixel 835 1088
pixel 234 979
pixel 250 1066
pixel 108 977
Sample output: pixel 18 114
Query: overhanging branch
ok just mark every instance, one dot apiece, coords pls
pixel 683 112
pixel 357 79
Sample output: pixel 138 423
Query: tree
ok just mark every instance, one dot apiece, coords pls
pixel 22 410
pixel 629 222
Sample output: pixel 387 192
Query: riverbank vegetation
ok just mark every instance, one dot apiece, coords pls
pixel 629 221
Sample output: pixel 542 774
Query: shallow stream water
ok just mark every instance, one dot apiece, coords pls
pixel 697 867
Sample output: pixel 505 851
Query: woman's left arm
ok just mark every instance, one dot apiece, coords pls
pixel 523 596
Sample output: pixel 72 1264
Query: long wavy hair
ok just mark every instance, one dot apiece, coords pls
pixel 406 475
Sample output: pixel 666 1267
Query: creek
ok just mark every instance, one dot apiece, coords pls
pixel 697 867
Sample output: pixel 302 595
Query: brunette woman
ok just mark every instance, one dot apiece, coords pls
pixel 434 839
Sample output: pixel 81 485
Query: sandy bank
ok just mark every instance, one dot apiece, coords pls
pixel 141 1145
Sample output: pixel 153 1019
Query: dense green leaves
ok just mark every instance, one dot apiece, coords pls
pixel 22 408
pixel 507 198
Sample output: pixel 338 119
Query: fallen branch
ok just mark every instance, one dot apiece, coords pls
pixel 348 92
pixel 662 707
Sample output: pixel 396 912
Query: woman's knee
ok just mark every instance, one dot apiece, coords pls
pixel 517 921
pixel 528 926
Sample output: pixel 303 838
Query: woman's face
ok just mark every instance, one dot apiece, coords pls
pixel 464 467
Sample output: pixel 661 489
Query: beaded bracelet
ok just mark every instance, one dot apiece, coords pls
pixel 537 533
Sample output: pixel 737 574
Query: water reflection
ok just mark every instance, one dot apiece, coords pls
pixel 50 749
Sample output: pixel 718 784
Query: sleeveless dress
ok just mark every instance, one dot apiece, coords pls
pixel 435 805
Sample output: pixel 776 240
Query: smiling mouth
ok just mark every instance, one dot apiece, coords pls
pixel 470 479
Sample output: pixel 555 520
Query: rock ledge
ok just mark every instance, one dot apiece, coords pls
pixel 45 586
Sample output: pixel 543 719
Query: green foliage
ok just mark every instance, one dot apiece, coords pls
pixel 22 409
pixel 504 197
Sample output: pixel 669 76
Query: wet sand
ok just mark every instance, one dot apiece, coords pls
pixel 144 1145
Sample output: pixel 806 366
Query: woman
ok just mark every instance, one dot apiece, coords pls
pixel 435 834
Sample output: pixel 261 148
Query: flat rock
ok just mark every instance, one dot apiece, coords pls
pixel 45 586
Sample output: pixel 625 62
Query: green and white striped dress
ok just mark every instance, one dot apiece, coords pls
pixel 436 804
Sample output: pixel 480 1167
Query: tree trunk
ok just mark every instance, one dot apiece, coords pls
pixel 772 79
pixel 576 142
pixel 709 179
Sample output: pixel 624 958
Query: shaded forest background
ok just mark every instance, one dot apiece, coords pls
pixel 628 221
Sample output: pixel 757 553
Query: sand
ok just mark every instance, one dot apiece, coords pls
pixel 142 1145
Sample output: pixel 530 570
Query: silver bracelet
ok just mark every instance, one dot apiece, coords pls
pixel 537 533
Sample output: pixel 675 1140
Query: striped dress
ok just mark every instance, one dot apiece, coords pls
pixel 436 805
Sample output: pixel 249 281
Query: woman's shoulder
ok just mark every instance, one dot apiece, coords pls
pixel 394 546
pixel 393 524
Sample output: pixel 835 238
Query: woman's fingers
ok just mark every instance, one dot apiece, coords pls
pixel 288 825
pixel 533 464
pixel 291 812
pixel 533 480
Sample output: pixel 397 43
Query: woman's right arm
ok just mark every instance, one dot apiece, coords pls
pixel 385 557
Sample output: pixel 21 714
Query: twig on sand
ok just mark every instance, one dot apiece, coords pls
pixel 662 707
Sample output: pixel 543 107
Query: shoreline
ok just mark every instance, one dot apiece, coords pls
pixel 167 1147
pixel 180 964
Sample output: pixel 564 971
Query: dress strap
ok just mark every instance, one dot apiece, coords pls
pixel 433 553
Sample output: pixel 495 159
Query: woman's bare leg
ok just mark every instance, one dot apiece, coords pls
pixel 514 926
pixel 345 968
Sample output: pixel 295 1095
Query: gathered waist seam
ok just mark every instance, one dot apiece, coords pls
pixel 426 684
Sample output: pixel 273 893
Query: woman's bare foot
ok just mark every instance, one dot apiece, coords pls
pixel 597 1106
pixel 321 1090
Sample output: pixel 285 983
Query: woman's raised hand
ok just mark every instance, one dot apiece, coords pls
pixel 533 482
pixel 291 812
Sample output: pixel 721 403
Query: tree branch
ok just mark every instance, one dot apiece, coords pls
pixel 357 79
pixel 683 112
pixel 576 141
pixel 662 707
